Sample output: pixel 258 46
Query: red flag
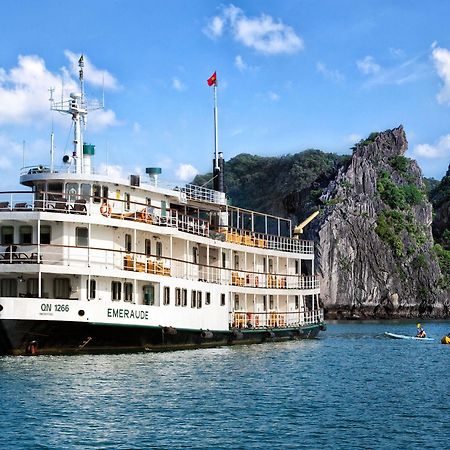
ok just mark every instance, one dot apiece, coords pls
pixel 212 80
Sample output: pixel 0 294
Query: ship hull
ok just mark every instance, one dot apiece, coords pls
pixel 38 337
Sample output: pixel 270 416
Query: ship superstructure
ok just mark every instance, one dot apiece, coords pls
pixel 92 264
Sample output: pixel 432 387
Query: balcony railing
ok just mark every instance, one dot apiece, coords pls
pixel 101 258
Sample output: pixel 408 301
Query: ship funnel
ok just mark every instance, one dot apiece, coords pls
pixel 153 172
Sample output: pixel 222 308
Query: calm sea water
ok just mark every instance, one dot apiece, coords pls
pixel 350 389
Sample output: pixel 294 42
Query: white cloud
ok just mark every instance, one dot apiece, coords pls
pixel 264 34
pixel 113 171
pixel 24 94
pixel 353 138
pixel 273 96
pixel 333 75
pixel 438 150
pixel 186 172
pixel 92 75
pixel 441 59
pixel 137 128
pixel 239 63
pixel 178 85
pixel 368 66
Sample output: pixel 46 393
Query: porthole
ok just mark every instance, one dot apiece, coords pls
pixel 81 312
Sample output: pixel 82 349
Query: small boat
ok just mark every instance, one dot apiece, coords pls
pixel 403 336
pixel 445 340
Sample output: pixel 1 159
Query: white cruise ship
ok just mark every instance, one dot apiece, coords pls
pixel 94 264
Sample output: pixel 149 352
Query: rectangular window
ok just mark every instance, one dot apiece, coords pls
pixel 158 249
pixel 46 234
pixel 236 261
pixel 236 301
pixel 7 235
pixel 271 302
pixel 105 193
pixel 55 188
pixel 166 299
pixel 195 255
pixel 61 287
pixel 126 197
pixel 193 299
pixel 90 289
pixel 208 298
pixel 81 236
pixel 128 243
pixel 8 287
pixel 72 192
pixel 177 297
pixel 199 299
pixel 270 265
pixel 96 193
pixel 86 192
pixel 184 298
pixel 296 302
pixel 128 292
pixel 33 287
pixel 222 299
pixel 297 267
pixel 116 290
pixel 224 260
pixel 25 234
pixel 264 302
pixel 264 265
pixel 148 247
pixel 149 294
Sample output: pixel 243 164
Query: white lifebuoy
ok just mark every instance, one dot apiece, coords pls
pixel 105 210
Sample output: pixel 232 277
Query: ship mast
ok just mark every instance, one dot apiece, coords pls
pixel 78 108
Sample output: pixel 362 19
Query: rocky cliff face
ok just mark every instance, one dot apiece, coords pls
pixel 375 242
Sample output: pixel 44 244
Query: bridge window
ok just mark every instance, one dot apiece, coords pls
pixel 45 234
pixel 25 234
pixel 85 191
pixel 96 192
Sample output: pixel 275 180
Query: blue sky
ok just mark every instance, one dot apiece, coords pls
pixel 293 74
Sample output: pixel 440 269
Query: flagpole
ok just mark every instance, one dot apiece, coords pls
pixel 216 131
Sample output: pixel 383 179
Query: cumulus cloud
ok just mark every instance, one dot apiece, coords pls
pixel 186 172
pixel 273 96
pixel 368 66
pixel 441 60
pixel 439 149
pixel 264 34
pixel 353 138
pixel 24 93
pixel 92 75
pixel 177 84
pixel 333 75
pixel 113 171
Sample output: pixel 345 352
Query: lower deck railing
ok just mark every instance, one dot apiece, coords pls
pixel 275 319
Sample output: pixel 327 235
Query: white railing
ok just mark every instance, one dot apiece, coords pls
pixel 275 319
pixel 71 256
pixel 203 194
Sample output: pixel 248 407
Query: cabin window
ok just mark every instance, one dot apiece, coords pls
pixel 90 289
pixel 224 260
pixel 208 298
pixel 128 243
pixel 8 287
pixel 55 188
pixel 199 299
pixel 61 287
pixel 149 295
pixel 184 298
pixel 86 191
pixel 105 193
pixel 264 302
pixel 25 234
pixel 236 301
pixel 166 299
pixel 193 299
pixel 222 299
pixel 297 267
pixel 148 247
pixel 128 292
pixel 45 234
pixel 33 287
pixel 236 261
pixel 126 197
pixel 72 192
pixel 7 235
pixel 270 265
pixel 96 193
pixel 271 302
pixel 195 255
pixel 297 303
pixel 177 297
pixel 81 236
pixel 158 249
pixel 264 265
pixel 116 290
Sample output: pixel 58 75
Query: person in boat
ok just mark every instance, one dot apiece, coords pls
pixel 420 332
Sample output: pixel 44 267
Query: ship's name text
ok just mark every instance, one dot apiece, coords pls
pixel 127 313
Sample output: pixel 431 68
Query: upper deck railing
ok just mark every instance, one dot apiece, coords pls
pixel 114 208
